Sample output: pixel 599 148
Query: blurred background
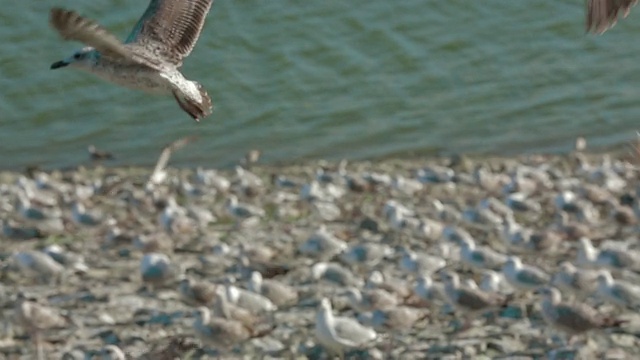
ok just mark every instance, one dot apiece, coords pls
pixel 331 79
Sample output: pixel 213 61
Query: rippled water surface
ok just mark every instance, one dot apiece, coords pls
pixel 331 79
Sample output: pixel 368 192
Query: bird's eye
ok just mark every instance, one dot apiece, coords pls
pixel 76 56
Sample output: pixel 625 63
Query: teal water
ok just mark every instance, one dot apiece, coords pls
pixel 331 79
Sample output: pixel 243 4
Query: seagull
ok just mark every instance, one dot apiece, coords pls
pixel 159 173
pixel 480 258
pixel 156 269
pixel 338 333
pixel 395 318
pixel 524 277
pixel 84 217
pixel 322 242
pixel 151 55
pixel 581 282
pixel 255 303
pixel 196 293
pixel 471 300
pixel 219 332
pixel 372 299
pixel 493 282
pixel 39 265
pixel 112 352
pixel 279 293
pixel 35 318
pixel 573 319
pixel 419 262
pixel 603 14
pixel 335 273
pixel 242 211
pixel 369 254
pixel 618 292
pixel 429 290
pixel 612 258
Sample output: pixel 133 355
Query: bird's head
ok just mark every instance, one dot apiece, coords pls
pixel 81 58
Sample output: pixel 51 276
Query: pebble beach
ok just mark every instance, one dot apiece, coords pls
pixel 135 259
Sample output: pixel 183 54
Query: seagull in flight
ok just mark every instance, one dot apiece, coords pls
pixel 603 14
pixel 150 57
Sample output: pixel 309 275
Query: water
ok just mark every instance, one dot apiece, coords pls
pixel 331 79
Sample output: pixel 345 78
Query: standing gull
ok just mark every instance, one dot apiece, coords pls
pixel 524 277
pixel 618 292
pixel 580 282
pixel 35 318
pixel 339 333
pixel 572 319
pixel 151 55
pixel 468 299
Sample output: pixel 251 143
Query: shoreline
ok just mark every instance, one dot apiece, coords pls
pixel 621 150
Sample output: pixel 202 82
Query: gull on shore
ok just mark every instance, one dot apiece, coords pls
pixel 618 292
pixel 159 173
pixel 254 302
pixel 196 293
pixel 242 211
pixel 398 287
pixel 66 258
pixel 249 182
pixel 112 352
pixel 35 318
pixel 610 258
pixel 470 300
pixel 430 291
pixel 31 212
pixel 455 234
pixel 573 319
pixel 211 177
pixel 524 277
pixel 335 273
pixel 494 282
pixel 336 334
pixel 371 299
pixel 151 55
pixel 581 282
pixel 480 257
pixel 84 217
pixel 39 265
pixel 12 231
pixel 392 319
pixel 222 308
pixel 419 262
pixel 514 235
pixel 219 332
pixel 369 254
pixel 322 242
pixel 156 269
pixel 279 293
pixel 519 201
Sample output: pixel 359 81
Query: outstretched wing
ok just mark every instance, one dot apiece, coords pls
pixel 603 14
pixel 170 28
pixel 71 26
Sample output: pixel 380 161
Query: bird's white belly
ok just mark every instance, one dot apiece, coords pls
pixel 143 79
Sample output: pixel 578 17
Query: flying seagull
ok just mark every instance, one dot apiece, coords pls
pixel 603 14
pixel 151 55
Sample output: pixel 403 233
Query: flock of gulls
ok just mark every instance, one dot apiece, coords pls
pixel 534 257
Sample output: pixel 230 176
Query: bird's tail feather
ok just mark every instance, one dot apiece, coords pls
pixel 196 109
